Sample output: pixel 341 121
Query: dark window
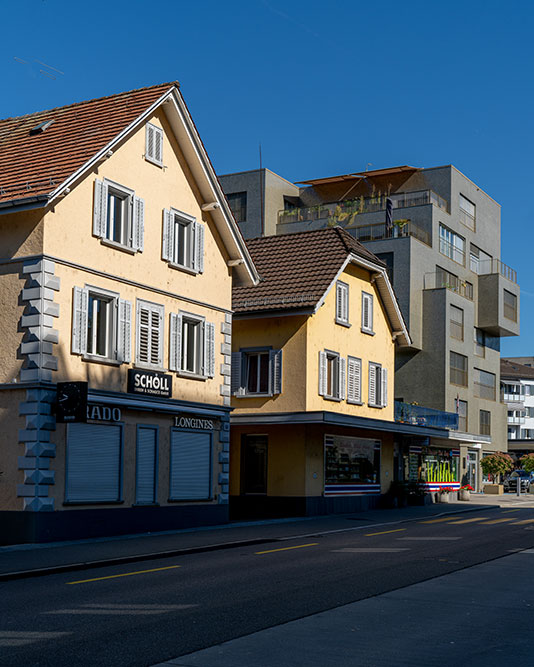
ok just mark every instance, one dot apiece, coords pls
pixel 254 464
pixel 485 422
pixel 238 204
pixel 387 258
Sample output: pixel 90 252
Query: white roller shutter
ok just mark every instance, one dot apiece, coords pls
pixel 93 463
pixel 146 465
pixel 190 475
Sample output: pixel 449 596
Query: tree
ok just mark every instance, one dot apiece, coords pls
pixel 527 462
pixel 497 464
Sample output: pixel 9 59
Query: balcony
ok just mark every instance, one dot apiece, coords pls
pixel 345 211
pixel 405 413
pixel 442 278
pixel 516 420
pixel 490 266
pixel 512 398
pixel 498 299
pixel 401 229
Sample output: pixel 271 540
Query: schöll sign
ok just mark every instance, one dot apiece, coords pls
pixel 151 384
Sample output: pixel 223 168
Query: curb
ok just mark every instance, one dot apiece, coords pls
pixel 123 560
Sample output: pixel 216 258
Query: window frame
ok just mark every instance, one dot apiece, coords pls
pixel 484 427
pixel 448 247
pixel 132 236
pixel 455 325
pixel 477 384
pixel 199 345
pixel 464 214
pixel 173 219
pixel 354 362
pixel 369 327
pixel 242 208
pixel 508 307
pixel 332 375
pixel 456 368
pixel 240 372
pixel 380 379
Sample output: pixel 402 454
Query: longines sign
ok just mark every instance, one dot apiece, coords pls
pixel 197 423
pixel 149 383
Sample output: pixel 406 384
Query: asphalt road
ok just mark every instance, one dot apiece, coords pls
pixel 149 612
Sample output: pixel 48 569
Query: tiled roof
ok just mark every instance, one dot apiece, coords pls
pixel 32 165
pixel 296 269
pixel 513 370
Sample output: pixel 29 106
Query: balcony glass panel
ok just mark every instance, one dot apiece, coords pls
pixel 405 413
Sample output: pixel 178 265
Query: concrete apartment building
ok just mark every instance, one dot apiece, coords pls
pixel 517 387
pixel 442 249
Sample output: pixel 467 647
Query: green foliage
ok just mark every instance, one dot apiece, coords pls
pixel 497 464
pixel 527 462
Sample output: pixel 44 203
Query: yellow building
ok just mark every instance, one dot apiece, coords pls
pixel 119 252
pixel 312 377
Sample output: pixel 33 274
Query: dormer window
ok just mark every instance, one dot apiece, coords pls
pixel 154 144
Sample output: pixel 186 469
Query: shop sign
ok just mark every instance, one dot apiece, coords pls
pixel 150 383
pixel 103 414
pixel 191 421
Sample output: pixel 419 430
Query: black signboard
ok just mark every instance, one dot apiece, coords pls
pixel 149 383
pixel 71 402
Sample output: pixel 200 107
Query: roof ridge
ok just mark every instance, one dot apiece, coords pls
pixel 322 230
pixel 94 99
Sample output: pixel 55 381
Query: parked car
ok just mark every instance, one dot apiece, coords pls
pixel 510 482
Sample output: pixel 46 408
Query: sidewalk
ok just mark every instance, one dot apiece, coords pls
pixel 21 561
pixel 458 618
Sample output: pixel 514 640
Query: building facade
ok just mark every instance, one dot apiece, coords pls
pixel 517 388
pixel 439 235
pixel 119 256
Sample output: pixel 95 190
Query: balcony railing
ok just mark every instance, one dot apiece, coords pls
pixel 400 229
pixel 346 210
pixel 488 266
pixel 516 420
pixel 513 398
pixel 439 279
pixel 405 413
pixel 451 251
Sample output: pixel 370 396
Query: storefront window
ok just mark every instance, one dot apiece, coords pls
pixel 351 461
pixel 431 466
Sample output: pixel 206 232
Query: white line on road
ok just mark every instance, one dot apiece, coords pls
pixel 23 638
pixel 123 609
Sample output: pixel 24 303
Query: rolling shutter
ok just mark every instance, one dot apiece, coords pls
pixel 322 373
pixel 93 463
pixel 146 465
pixel 80 302
pixel 190 474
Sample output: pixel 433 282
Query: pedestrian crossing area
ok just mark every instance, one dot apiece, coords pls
pixel 481 520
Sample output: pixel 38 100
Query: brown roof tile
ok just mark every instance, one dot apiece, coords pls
pixel 513 370
pixel 296 269
pixel 38 164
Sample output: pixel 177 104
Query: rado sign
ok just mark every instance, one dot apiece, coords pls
pixel 152 384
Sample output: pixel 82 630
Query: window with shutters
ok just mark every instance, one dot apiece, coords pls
pixel 378 386
pixel 118 217
pixel 149 338
pixel 354 380
pixel 183 241
pixel 332 375
pixel 342 304
pixel 101 325
pixel 257 372
pixel 154 144
pixel 367 313
pixel 192 345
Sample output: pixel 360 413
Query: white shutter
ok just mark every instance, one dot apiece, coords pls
pixel 100 212
pixel 146 465
pixel 190 474
pixel 209 349
pixel 80 301
pixel 93 463
pixel 372 384
pixel 175 323
pixel 367 311
pixel 354 375
pixel 342 302
pixel 275 367
pixel 124 332
pixel 168 236
pixel 322 373
pixel 158 145
pixel 138 224
pixel 342 378
pixel 236 375
pixel 150 334
pixel 384 387
pixel 150 141
pixel 199 247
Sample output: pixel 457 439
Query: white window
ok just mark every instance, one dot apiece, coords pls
pixel 257 372
pixel 332 375
pixel 342 303
pixel 192 345
pixel 149 339
pixel 154 144
pixel 118 217
pixel 367 313
pixel 101 325
pixel 354 380
pixel 451 245
pixel 183 241
pixel 378 386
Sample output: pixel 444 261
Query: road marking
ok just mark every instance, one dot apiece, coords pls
pixel 127 574
pixel 429 539
pixel 122 609
pixel 375 550
pixel 23 638
pixel 385 532
pixel 479 518
pixel 526 551
pixel 508 511
pixel 522 522
pixel 490 523
pixel 446 518
pixel 299 546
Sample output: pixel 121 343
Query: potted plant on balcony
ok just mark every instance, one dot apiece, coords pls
pixel 465 492
pixel 494 466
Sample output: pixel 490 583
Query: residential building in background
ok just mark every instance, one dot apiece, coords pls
pixel 439 235
pixel 517 388
pixel 119 252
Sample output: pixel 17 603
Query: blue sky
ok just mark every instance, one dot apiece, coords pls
pixel 325 87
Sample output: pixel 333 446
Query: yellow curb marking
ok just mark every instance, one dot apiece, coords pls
pixel 127 574
pixel 480 518
pixel 385 532
pixel 489 523
pixel 300 546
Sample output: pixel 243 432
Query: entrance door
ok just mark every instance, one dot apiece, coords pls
pixel 472 469
pixel 254 464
